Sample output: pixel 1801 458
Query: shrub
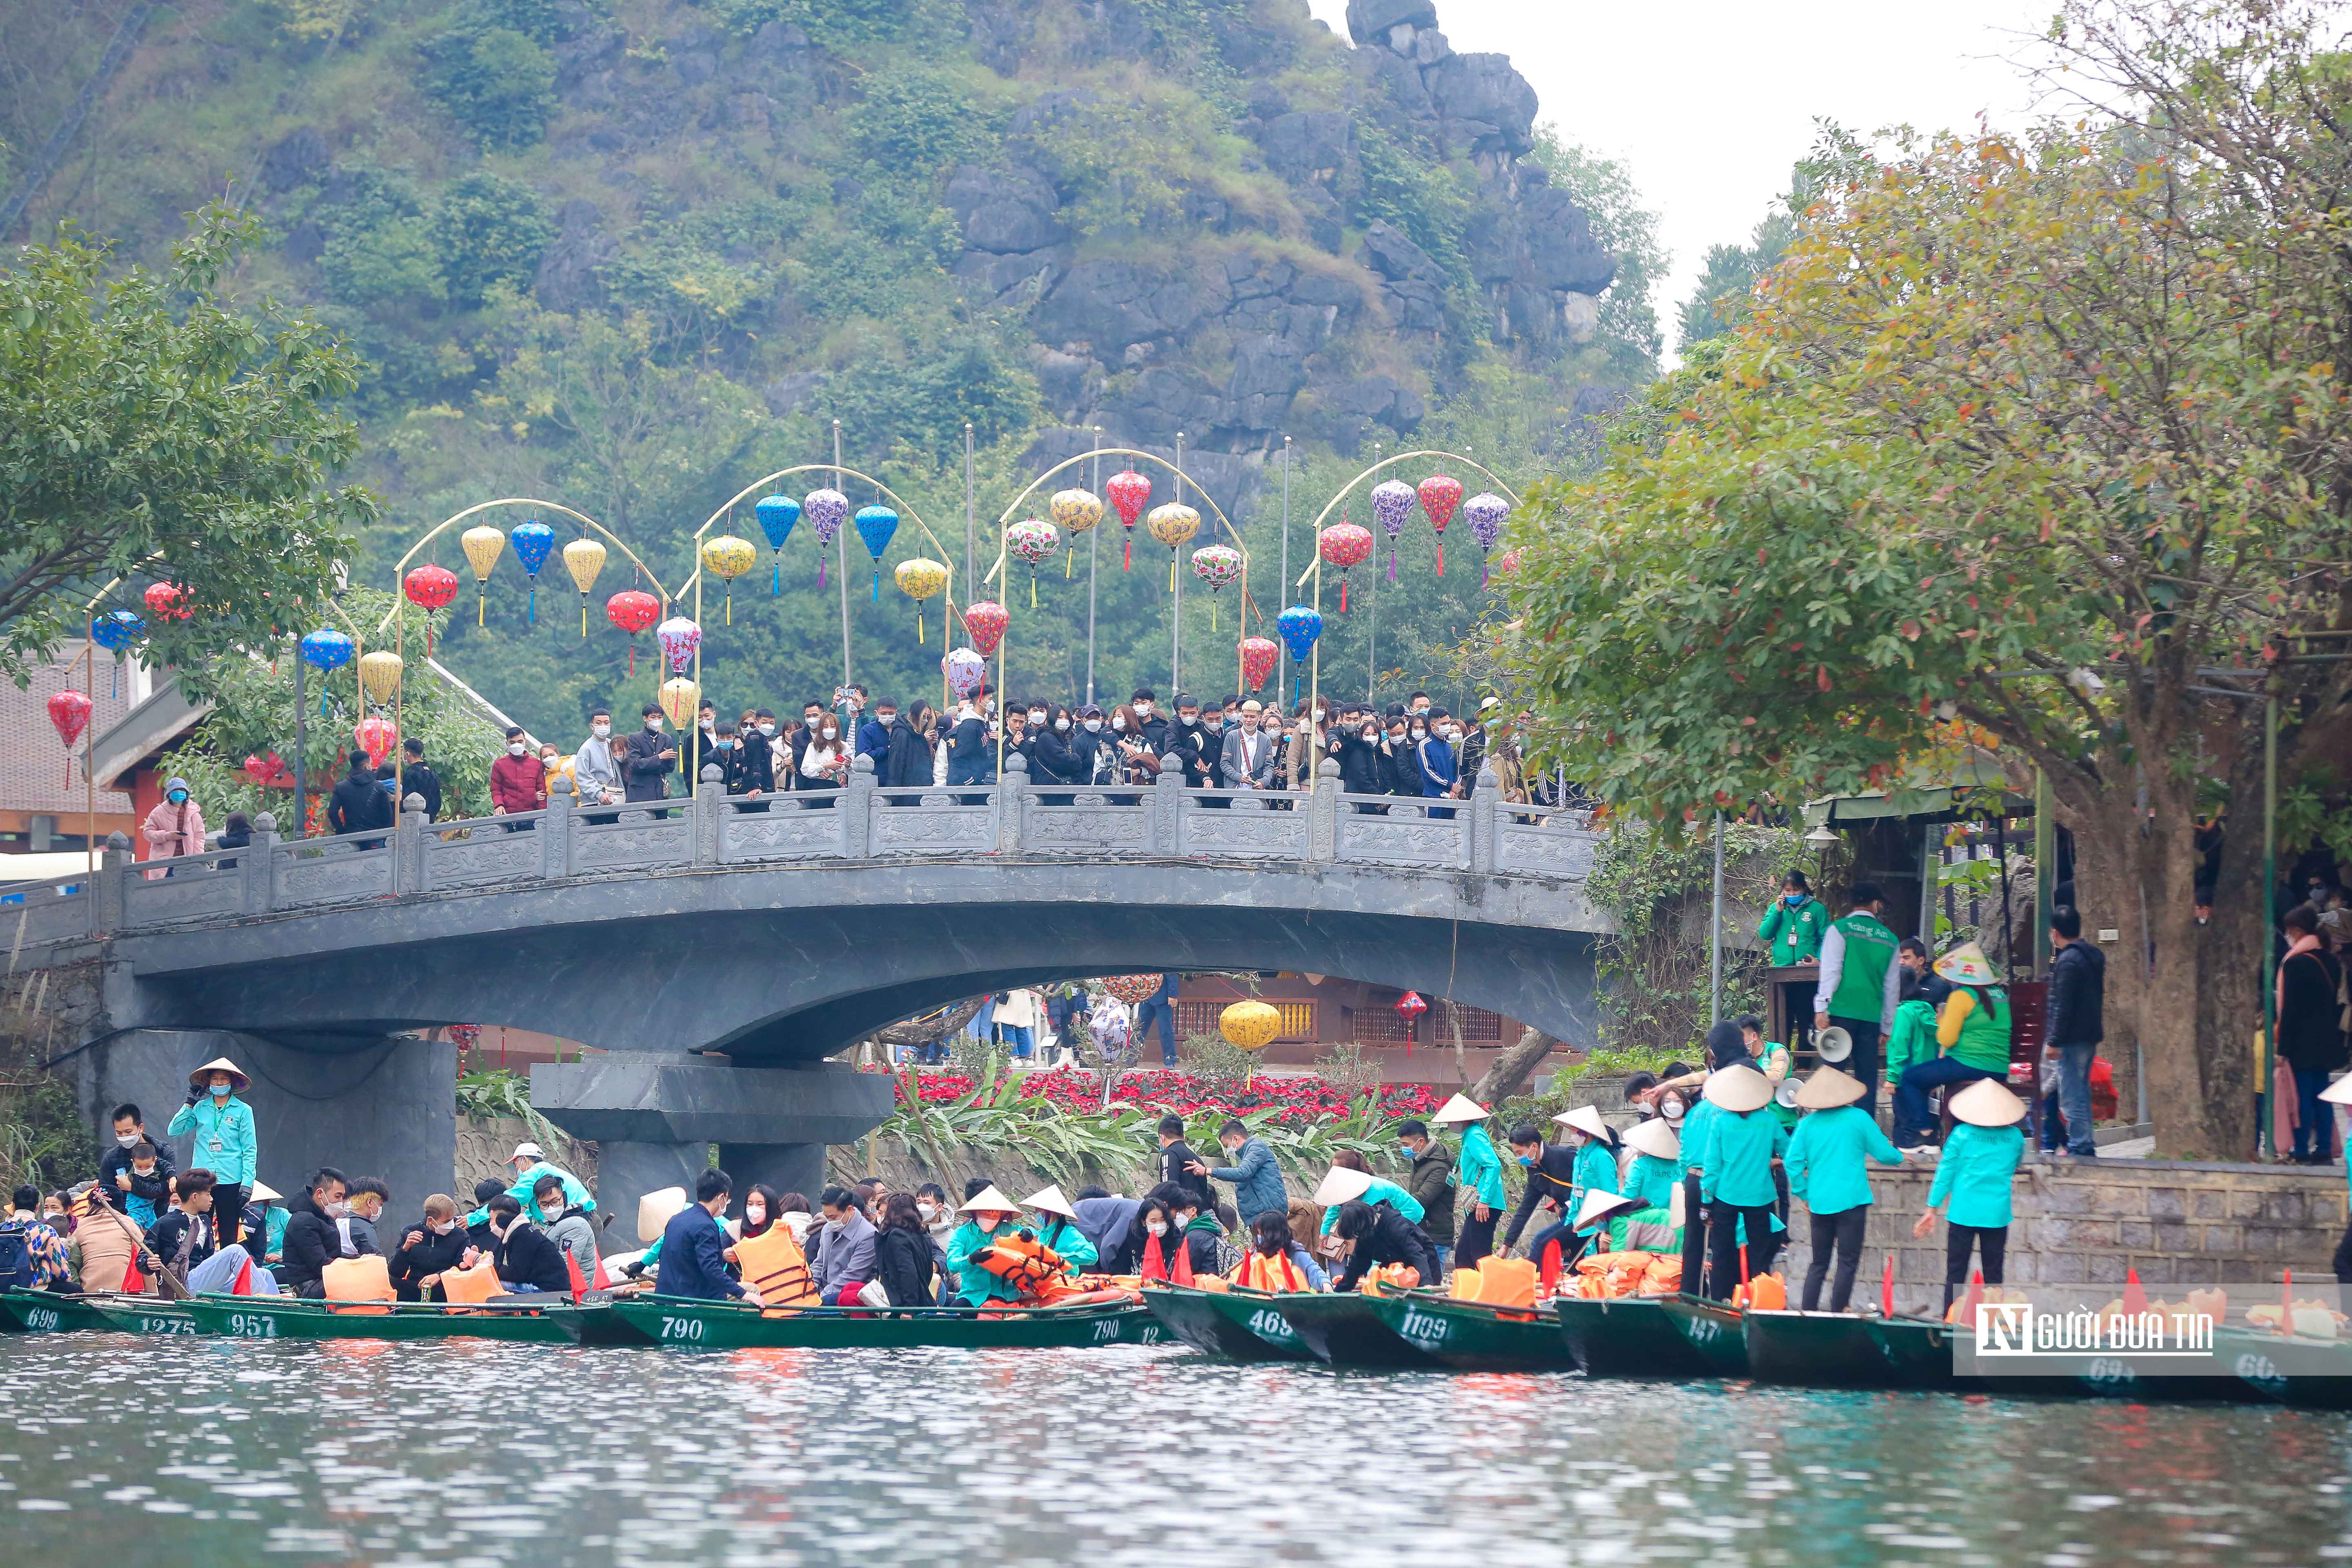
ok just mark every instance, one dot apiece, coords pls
pixel 488 229
pixel 498 83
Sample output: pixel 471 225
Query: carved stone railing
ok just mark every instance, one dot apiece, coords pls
pixel 1017 818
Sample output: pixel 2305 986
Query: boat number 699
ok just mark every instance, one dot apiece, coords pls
pixel 681 1328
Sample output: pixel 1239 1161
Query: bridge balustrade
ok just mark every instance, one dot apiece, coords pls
pixel 1018 818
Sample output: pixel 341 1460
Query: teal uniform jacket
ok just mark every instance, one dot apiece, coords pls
pixel 1479 1170
pixel 1826 1158
pixel 574 1195
pixel 1069 1242
pixel 976 1285
pixel 225 1144
pixel 1975 1174
pixel 1381 1192
pixel 1736 1166
pixel 1914 1039
pixel 1653 1179
pixel 1596 1171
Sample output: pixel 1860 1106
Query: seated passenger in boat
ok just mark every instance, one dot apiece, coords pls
pixel 526 1259
pixel 185 1242
pixel 1371 1189
pixel 988 1215
pixel 906 1263
pixel 1197 1224
pixel 1057 1228
pixel 1374 1234
pixel 694 1249
pixel 843 1258
pixel 1276 1262
pixel 1112 1226
pixel 428 1249
pixel 104 1245
pixel 1164 1255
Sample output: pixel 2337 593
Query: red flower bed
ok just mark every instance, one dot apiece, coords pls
pixel 1295 1099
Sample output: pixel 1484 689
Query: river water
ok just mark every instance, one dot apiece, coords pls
pixel 197 1452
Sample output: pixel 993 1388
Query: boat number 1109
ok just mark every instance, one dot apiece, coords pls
pixel 681 1328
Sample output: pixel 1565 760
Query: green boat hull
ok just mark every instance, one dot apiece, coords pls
pixel 1814 1350
pixel 1628 1336
pixel 295 1318
pixel 596 1323
pixel 1348 1330
pixel 1242 1325
pixel 2311 1374
pixel 716 1325
pixel 1714 1332
pixel 144 1315
pixel 1473 1338
pixel 1918 1352
pixel 48 1312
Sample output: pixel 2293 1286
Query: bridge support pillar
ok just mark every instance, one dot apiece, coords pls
pixel 384 1107
pixel 655 1118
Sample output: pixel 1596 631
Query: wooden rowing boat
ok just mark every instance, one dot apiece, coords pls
pixel 48 1312
pixel 727 1325
pixel 1244 1325
pixel 1470 1336
pixel 1814 1350
pixel 2314 1374
pixel 299 1318
pixel 143 1314
pixel 1347 1329
pixel 1627 1336
pixel 1713 1328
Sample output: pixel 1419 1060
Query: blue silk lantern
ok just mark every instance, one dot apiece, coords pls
pixel 324 650
pixel 1299 627
pixel 876 525
pixel 530 542
pixel 777 515
pixel 115 631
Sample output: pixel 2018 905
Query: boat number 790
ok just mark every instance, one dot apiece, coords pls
pixel 1106 1330
pixel 681 1328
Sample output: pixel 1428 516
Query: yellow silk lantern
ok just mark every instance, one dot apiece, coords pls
pixel 1173 525
pixel 1250 1026
pixel 380 673
pixel 1075 512
pixel 918 579
pixel 583 558
pixel 726 558
pixel 483 546
pixel 680 698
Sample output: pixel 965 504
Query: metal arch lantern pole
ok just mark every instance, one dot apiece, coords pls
pixel 1094 549
pixel 1281 651
pixel 301 744
pixel 90 748
pixel 971 517
pixel 1714 936
pixel 841 562
pixel 1372 627
pixel 1176 580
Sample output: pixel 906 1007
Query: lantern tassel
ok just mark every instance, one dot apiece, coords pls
pixel 1068 561
pixel 776 577
pixel 918 623
pixel 632 659
pixel 1392 563
pixel 1486 572
pixel 820 570
pixel 1343 592
pixel 1032 587
pixel 1440 557
pixel 481 603
pixel 1126 562
pixel 878 581
pixel 533 609
pixel 730 604
pixel 583 617
pixel 1172 570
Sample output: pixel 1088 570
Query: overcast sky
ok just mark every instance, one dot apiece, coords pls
pixel 1709 102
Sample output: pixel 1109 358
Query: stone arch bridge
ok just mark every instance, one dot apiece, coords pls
pixel 723 951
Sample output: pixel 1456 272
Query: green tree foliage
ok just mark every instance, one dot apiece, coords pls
pixel 151 428
pixel 2040 435
pixel 498 79
pixel 488 229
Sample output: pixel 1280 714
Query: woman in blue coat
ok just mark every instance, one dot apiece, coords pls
pixel 1979 1163
pixel 1827 1169
pixel 1478 1177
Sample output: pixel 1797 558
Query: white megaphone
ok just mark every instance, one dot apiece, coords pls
pixel 1786 1094
pixel 1833 1045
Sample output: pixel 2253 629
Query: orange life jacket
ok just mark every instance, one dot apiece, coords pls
pixel 1155 1268
pixel 775 1266
pixel 1021 1260
pixel 1257 1272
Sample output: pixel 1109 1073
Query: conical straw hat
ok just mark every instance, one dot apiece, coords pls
pixel 2339 1092
pixel 1984 1103
pixel 203 1075
pixel 1597 1204
pixel 1739 1090
pixel 655 1210
pixel 1584 1119
pixel 1828 1088
pixel 263 1192
pixel 1967 965
pixel 989 1200
pixel 1343 1186
pixel 1656 1138
pixel 1048 1199
pixel 1461 1108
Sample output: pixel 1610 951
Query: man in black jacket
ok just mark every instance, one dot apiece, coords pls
pixel 651 758
pixel 313 1240
pixel 428 1249
pixel 2078 984
pixel 144 1196
pixel 526 1259
pixel 417 779
pixel 1551 1178
pixel 1155 723
pixel 359 802
pixel 1376 1234
pixel 1177 1159
pixel 749 769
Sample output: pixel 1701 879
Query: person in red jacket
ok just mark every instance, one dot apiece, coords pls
pixel 518 780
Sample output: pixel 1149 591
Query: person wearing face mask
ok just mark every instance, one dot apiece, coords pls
pixel 1551 1185
pixel 365 1199
pixel 224 1142
pixel 648 759
pixel 906 1262
pixel 1440 769
pixel 1399 768
pixel 1138 759
pixel 313 1239
pixel 905 759
pixel 1480 1182
pixel 938 1216
pixel 130 1180
pixel 527 1260
pixel 841 1261
pixel 825 764
pixel 1151 724
pixel 1051 757
pixel 873 731
pixel 429 1248
pixel 1213 751
pixel 596 765
pixel 518 780
pixel 971 754
pixel 988 1215
pixel 1364 765
pixel 1429 1177
pixel 567 1226
pixel 1251 1168
pixel 1093 758
pixel 1300 751
pixel 1185 741
pixel 177 826
pixel 744 768
pixel 1161 1253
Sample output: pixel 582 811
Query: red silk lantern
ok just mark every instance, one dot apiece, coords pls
pixel 1258 655
pixel 376 736
pixel 166 602
pixel 632 610
pixel 1410 1006
pixel 1439 496
pixel 985 622
pixel 268 772
pixel 1345 544
pixel 1127 491
pixel 429 588
pixel 69 711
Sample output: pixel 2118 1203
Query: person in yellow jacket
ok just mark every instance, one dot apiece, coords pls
pixel 1973 1031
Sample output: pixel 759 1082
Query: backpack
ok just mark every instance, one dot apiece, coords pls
pixel 16 1257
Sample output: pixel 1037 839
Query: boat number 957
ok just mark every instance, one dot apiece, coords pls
pixel 681 1328
pixel 253 1325
pixel 1420 1326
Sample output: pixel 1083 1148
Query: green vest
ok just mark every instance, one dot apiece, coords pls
pixel 1984 1038
pixel 1861 991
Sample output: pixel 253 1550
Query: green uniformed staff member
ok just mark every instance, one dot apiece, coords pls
pixel 1792 931
pixel 1860 984
pixel 1827 1170
pixel 1973 1177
